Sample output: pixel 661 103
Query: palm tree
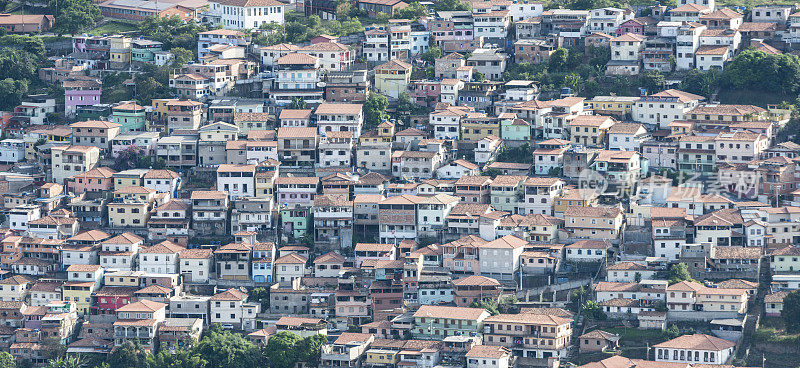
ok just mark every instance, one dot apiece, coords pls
pixel 69 361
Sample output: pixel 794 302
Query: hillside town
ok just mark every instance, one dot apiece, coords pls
pixel 386 184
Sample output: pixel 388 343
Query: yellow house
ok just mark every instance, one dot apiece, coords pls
pixel 79 292
pixel 382 357
pixel 384 134
pixel 711 115
pixel 128 178
pixel 392 78
pixel 590 130
pixel 477 128
pixel 120 49
pixel 611 105
pixel 131 207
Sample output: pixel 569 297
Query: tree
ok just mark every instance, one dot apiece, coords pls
pixel 672 332
pixel 791 312
pixel 74 361
pixel 677 273
pixel 260 295
pixel 281 350
pixel 129 158
pixel 181 56
pixel 128 355
pixel 73 16
pixel 478 76
pixel 493 173
pixel 298 104
pixel 227 350
pixel 652 80
pixel 178 359
pixel 309 349
pixel 375 110
pixel 18 64
pixel 7 361
pixel 637 277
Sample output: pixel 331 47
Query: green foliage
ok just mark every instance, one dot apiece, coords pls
pixel 478 76
pixel 128 355
pixel 555 172
pixel 309 349
pixel 493 173
pixel 413 11
pixel 791 312
pixel 558 60
pixel 172 32
pixel 181 56
pixel 488 304
pixel 34 45
pixel 375 110
pixel 637 277
pixel 700 83
pixel 299 29
pixel 653 80
pixel 678 272
pixel 227 350
pixel 260 295
pixel 177 359
pixel 73 16
pixel 18 64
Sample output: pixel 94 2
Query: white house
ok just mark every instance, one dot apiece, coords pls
pixel 246 14
pixel 195 265
pixel 587 251
pixel 488 356
pixel 697 348
pixel 664 107
pixel 626 136
pixel 12 150
pixel 457 169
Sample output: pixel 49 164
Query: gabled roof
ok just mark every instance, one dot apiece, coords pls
pixel 697 342
pixel 143 305
pixel 229 295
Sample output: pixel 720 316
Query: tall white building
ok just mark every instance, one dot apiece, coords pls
pixel 251 14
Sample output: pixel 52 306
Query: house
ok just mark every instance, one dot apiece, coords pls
pixel 303 327
pixel 195 265
pixel 487 150
pixel 500 257
pixel 209 212
pixel 290 267
pixel 694 348
pixel 629 272
pixel 773 303
pixel 375 7
pixel 392 78
pixel 349 348
pixel 590 130
pixel 662 108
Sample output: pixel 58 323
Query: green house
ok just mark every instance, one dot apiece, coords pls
pixel 144 50
pixel 435 322
pixel 515 130
pixel 130 116
pixel 296 220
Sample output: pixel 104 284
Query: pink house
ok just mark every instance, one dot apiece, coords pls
pixel 95 180
pixel 638 26
pixel 425 92
pixel 80 92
